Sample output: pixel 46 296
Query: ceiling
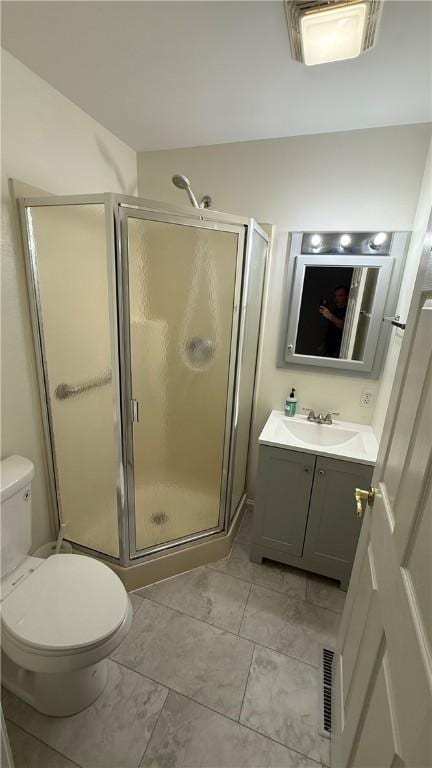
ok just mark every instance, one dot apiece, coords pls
pixel 176 74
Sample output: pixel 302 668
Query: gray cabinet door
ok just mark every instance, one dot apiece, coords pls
pixel 333 526
pixel 283 494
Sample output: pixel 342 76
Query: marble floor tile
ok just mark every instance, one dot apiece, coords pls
pixel 276 576
pixel 241 546
pixel 205 594
pixel 188 655
pixel 281 701
pixel 28 752
pixel 240 568
pixel 136 601
pixel 114 731
pixel 240 550
pixel 273 575
pixel 325 593
pixel 244 532
pixel 188 735
pixel 288 624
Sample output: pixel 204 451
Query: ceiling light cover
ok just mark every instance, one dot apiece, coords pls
pixel 321 31
pixel 333 34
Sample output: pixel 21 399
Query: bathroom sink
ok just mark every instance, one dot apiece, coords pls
pixel 342 440
pixel 317 434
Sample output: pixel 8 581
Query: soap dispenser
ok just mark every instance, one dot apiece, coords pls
pixel 291 404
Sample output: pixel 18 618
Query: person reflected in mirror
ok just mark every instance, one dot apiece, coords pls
pixel 335 317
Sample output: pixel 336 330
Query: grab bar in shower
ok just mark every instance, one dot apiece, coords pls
pixel 63 391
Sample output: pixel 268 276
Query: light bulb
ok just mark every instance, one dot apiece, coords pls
pixel 345 241
pixel 379 239
pixel 316 241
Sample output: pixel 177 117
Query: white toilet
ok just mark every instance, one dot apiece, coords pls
pixel 60 617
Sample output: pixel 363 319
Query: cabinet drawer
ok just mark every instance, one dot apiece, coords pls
pixel 283 493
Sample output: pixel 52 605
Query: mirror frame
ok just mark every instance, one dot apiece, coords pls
pixel 384 305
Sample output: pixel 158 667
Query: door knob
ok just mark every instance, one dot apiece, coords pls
pixel 364 496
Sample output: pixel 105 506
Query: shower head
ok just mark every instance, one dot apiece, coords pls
pixel 182 182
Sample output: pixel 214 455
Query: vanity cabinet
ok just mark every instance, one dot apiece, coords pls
pixel 305 511
pixel 285 481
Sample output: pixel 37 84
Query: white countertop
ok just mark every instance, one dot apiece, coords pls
pixel 343 440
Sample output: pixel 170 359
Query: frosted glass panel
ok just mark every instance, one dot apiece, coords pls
pixel 181 290
pixel 252 314
pixel 70 247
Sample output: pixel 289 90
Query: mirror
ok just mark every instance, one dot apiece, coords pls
pixel 340 288
pixel 335 311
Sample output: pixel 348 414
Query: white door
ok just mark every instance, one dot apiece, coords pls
pixel 355 298
pixel 383 681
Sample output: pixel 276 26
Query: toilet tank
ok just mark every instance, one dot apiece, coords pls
pixel 16 474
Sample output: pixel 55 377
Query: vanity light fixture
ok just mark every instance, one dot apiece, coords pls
pixel 315 241
pixel 321 31
pixel 378 240
pixel 345 241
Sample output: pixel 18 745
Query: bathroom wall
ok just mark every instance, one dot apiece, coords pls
pixel 354 180
pixel 419 226
pixel 49 143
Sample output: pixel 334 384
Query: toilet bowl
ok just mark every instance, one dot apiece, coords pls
pixel 60 620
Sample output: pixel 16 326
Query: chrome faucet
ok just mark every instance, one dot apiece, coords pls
pixel 320 418
pixel 328 417
pixel 311 414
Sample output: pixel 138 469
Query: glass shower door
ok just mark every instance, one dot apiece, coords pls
pixel 182 292
pixel 252 292
pixel 67 245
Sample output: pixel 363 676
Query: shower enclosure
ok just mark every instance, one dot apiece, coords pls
pixel 146 321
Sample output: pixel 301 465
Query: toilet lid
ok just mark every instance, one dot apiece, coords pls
pixel 70 601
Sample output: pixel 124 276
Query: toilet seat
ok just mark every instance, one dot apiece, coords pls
pixel 69 612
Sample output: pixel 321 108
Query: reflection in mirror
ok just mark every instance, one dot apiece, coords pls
pixel 335 311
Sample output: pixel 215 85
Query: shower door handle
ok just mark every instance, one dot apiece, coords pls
pixel 135 411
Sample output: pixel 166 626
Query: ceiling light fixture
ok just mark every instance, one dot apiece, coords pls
pixel 345 241
pixel 378 240
pixel 321 31
pixel 315 241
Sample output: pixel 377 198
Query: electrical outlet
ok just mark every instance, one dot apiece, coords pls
pixel 366 398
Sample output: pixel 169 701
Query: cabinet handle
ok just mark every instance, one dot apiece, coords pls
pixel 307 469
pixel 321 472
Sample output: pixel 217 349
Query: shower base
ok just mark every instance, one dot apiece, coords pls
pixel 168 512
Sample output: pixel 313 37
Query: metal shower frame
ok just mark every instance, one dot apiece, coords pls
pixel 118 208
